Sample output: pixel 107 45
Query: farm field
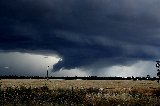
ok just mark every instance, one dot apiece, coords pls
pixel 36 92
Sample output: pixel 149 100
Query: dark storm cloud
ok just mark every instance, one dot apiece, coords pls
pixel 83 32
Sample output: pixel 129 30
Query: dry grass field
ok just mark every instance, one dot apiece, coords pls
pixel 67 84
pixel 79 92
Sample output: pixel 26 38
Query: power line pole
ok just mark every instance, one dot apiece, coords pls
pixel 47 72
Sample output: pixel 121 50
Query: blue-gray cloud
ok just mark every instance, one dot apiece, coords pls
pixel 83 32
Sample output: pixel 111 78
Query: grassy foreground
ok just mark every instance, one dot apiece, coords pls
pixel 79 93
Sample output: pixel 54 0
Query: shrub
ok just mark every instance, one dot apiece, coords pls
pixel 87 97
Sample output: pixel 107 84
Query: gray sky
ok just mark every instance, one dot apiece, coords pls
pixel 91 37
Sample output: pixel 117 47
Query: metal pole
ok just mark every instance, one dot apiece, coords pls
pixel 47 72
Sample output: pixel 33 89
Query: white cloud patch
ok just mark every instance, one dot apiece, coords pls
pixel 71 73
pixel 138 69
pixel 15 63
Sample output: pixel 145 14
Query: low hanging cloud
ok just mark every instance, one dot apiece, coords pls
pixel 85 34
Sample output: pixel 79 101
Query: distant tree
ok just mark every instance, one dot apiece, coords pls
pixel 148 77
